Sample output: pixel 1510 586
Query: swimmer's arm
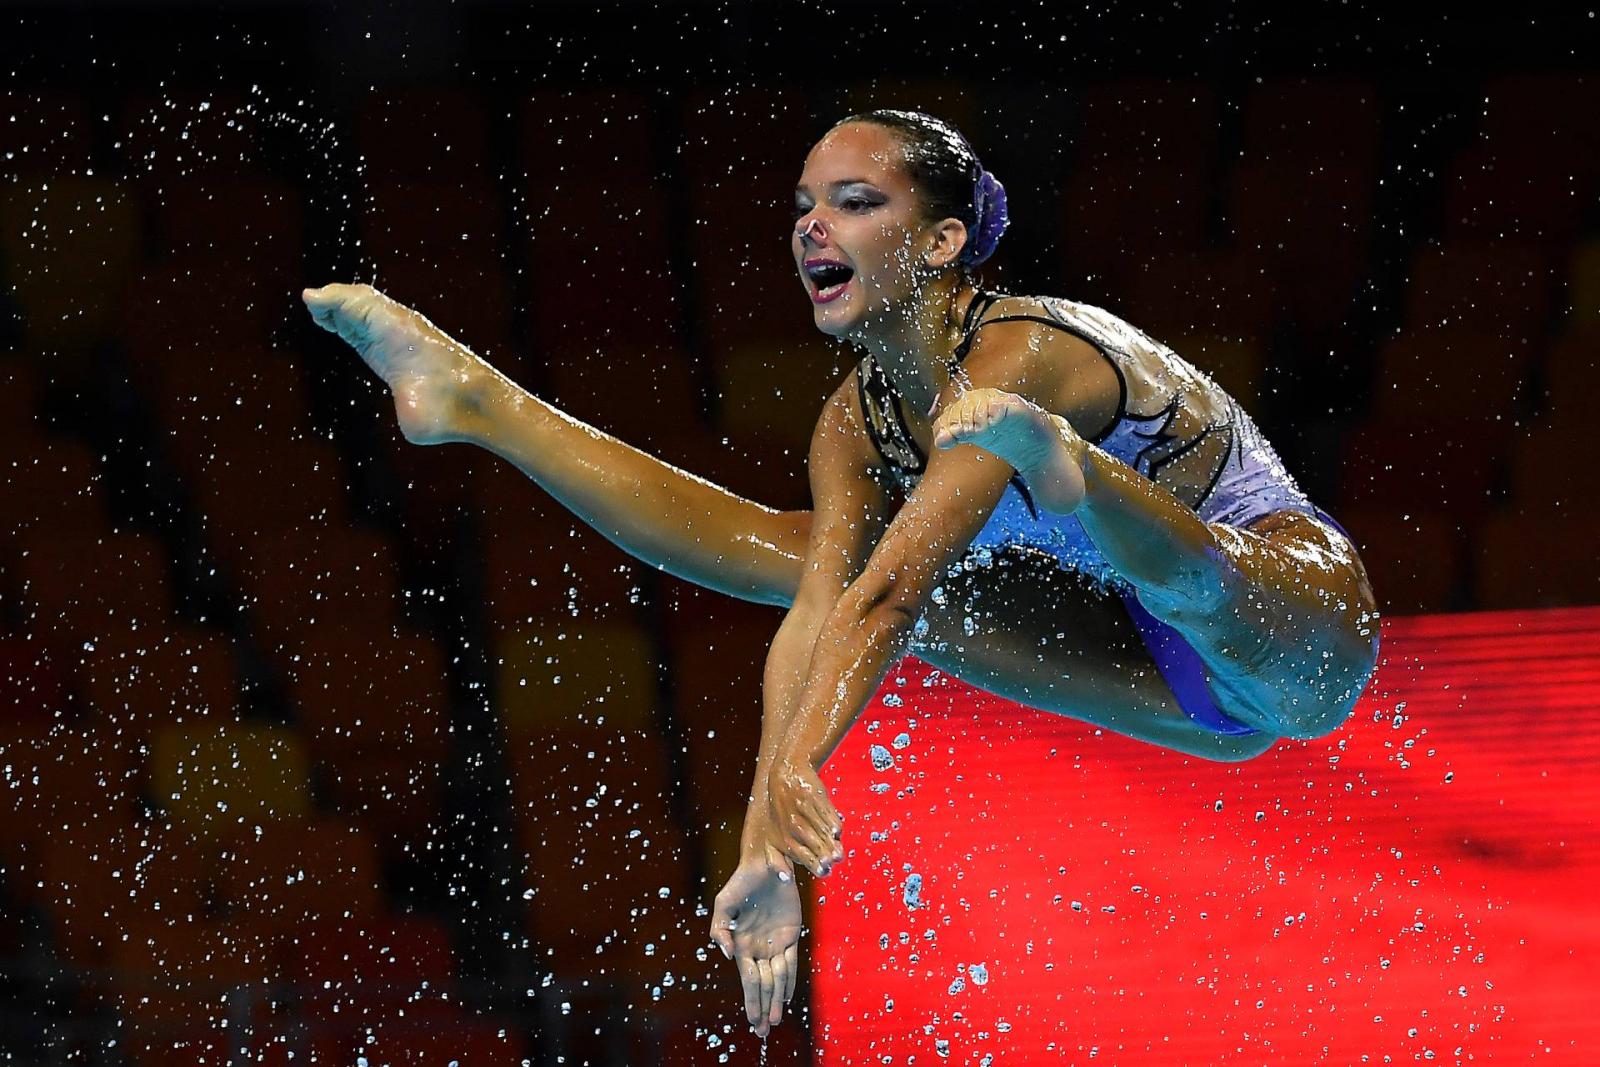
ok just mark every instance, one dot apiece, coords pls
pixel 851 514
pixel 871 624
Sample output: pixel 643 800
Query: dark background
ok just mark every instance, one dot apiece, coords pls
pixel 227 580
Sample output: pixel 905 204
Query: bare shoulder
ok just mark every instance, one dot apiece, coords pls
pixel 1017 347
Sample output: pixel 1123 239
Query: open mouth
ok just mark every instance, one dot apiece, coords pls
pixel 829 279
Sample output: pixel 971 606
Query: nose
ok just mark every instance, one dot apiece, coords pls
pixel 813 230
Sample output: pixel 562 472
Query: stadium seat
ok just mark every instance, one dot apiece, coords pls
pixel 773 394
pixel 220 780
pixel 561 675
pixel 301 581
pixel 44 134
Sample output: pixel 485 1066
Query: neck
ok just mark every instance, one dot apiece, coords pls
pixel 915 347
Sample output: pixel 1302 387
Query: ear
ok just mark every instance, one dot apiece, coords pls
pixel 948 237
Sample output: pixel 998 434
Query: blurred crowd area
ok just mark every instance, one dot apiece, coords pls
pixel 333 742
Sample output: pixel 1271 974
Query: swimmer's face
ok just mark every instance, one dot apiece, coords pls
pixel 859 210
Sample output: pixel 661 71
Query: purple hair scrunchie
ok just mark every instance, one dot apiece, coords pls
pixel 989 204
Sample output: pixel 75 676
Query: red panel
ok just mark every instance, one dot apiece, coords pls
pixel 1416 885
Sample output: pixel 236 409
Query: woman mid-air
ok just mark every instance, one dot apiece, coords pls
pixel 1027 492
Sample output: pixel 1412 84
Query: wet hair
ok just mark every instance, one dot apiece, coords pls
pixel 952 182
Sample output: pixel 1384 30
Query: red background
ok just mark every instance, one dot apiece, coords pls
pixel 1415 886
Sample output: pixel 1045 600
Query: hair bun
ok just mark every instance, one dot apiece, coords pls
pixel 989 201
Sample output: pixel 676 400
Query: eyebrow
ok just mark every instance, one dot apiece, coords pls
pixel 799 189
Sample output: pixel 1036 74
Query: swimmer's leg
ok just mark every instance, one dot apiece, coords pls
pixel 1024 629
pixel 652 510
pixel 1280 613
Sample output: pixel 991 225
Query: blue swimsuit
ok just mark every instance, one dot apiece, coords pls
pixel 1173 423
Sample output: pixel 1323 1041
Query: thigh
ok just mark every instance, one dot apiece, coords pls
pixel 1015 623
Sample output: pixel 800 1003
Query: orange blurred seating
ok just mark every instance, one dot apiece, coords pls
pixel 296 484
pixel 1235 363
pixel 774 393
pixel 36 675
pixel 432 223
pixel 45 134
pixel 606 864
pixel 541 562
pixel 1173 293
pixel 218 780
pixel 68 226
pixel 255 223
pixel 158 320
pixel 565 674
pixel 223 401
pixel 452 1037
pixel 100 879
pixel 1572 377
pixel 1532 167
pixel 54 488
pixel 1141 177
pixel 718 655
pixel 368 969
pixel 174 975
pixel 188 134
pixel 1542 471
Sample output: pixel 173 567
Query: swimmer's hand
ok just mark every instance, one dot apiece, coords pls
pixel 804 820
pixel 756 922
pixel 428 372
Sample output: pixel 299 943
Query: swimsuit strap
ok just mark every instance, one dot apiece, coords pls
pixel 885 419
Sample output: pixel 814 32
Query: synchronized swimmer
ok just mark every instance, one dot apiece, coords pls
pixel 1112 537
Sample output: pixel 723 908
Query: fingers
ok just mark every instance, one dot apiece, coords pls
pixel 759 1021
pixel 721 935
pixel 791 961
pixel 750 978
pixel 780 989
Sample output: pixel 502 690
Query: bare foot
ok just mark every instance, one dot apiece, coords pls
pixel 427 371
pixel 1043 447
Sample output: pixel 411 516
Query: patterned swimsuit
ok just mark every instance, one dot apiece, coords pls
pixel 1173 425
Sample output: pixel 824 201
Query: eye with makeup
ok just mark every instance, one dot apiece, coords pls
pixel 853 204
